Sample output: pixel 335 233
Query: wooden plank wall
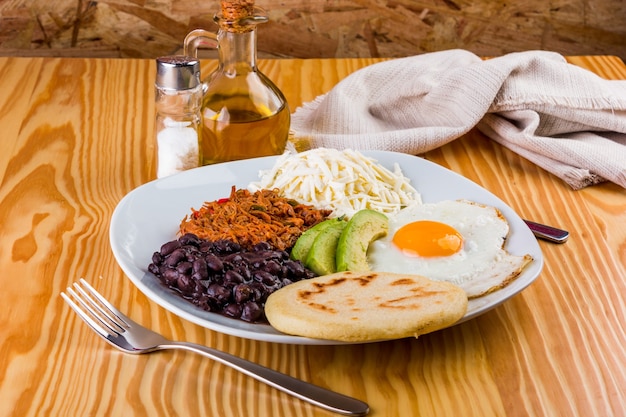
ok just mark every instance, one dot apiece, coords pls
pixel 318 28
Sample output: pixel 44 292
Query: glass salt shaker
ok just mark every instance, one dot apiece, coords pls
pixel 178 96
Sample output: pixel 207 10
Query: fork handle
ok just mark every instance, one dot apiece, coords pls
pixel 313 394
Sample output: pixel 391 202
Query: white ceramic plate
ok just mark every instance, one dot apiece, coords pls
pixel 150 215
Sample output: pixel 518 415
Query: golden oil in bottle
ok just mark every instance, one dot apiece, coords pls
pixel 240 129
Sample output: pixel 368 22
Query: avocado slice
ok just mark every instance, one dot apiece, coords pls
pixel 364 227
pixel 321 257
pixel 303 245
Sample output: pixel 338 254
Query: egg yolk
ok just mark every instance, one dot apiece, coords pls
pixel 428 238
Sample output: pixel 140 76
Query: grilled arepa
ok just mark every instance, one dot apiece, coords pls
pixel 365 306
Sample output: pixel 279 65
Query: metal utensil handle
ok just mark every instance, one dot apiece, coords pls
pixel 322 397
pixel 546 232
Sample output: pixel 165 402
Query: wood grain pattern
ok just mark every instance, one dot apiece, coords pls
pixel 318 28
pixel 77 136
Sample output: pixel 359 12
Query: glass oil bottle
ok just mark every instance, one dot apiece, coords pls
pixel 244 113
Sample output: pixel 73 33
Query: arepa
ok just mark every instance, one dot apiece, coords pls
pixel 365 306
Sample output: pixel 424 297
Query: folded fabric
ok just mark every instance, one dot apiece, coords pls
pixel 563 118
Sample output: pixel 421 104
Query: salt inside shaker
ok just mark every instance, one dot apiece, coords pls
pixel 178 96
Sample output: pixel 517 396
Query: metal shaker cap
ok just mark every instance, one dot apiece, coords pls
pixel 177 72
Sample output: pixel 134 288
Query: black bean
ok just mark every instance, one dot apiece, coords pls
pixel 233 258
pixel 189 239
pixel 270 255
pixel 227 246
pixel 170 276
pixel 232 276
pixel 157 258
pixel 245 272
pixel 253 259
pixel 200 269
pixel 175 257
pixel 295 268
pixel 233 310
pixel 242 293
pixel 184 267
pixel 154 268
pixel 169 247
pixel 214 263
pixel 206 246
pixel 203 303
pixel 258 291
pixel 272 267
pixel 218 292
pixel 185 284
pixel 262 246
pixel 251 311
pixel 191 253
pixel 265 278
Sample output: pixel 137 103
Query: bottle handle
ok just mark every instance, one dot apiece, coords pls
pixel 197 39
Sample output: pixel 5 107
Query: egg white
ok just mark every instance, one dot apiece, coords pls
pixel 480 267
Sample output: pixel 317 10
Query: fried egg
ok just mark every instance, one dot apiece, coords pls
pixel 461 242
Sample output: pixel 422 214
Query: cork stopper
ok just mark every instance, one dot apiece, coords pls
pixel 239 15
pixel 237 9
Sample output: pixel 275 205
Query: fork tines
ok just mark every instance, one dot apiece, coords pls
pixel 94 309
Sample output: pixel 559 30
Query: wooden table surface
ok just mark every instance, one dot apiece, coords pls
pixel 77 135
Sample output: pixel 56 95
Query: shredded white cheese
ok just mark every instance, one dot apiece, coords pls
pixel 342 181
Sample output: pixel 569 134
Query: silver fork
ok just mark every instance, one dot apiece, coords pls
pixel 129 336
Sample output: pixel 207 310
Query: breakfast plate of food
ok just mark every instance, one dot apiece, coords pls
pixel 263 226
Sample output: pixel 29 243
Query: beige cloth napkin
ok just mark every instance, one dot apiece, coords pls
pixel 564 118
